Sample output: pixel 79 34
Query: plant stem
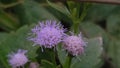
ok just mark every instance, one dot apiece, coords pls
pixel 75 28
pixel 67 62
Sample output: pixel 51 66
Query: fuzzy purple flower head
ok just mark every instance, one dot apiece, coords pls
pixel 74 44
pixel 47 34
pixel 18 59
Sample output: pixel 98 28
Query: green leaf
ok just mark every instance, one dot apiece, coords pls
pixel 114 52
pixel 17 40
pixel 32 12
pixel 7 22
pixel 46 54
pixel 3 36
pixel 62 54
pixel 113 25
pixel 59 7
pixel 99 11
pixel 91 30
pixel 91 57
pixel 47 64
pixel 60 11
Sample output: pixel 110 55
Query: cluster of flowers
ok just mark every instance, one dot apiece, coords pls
pixel 48 34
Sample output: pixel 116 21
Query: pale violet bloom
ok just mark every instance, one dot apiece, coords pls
pixel 74 44
pixel 18 59
pixel 47 34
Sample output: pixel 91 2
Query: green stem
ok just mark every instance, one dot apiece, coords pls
pixel 67 62
pixel 75 27
pixel 55 56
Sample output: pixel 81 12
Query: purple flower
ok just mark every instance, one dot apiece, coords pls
pixel 47 34
pixel 18 59
pixel 74 44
